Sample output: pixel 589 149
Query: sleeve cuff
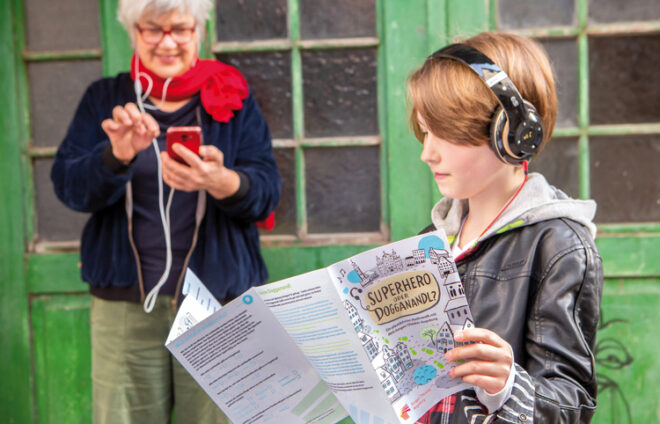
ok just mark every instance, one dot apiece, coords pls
pixel 493 402
pixel 112 163
pixel 241 193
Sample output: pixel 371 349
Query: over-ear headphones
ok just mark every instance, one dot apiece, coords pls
pixel 525 133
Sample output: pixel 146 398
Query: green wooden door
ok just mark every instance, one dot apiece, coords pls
pixel 357 53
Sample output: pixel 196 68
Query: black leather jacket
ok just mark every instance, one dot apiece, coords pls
pixel 538 287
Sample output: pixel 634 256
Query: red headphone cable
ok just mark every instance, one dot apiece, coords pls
pixel 526 171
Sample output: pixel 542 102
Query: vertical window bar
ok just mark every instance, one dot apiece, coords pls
pixel 437 11
pixel 116 49
pixel 22 94
pixel 382 123
pixel 301 197
pixel 436 25
pixel 298 118
pixel 206 50
pixel 492 15
pixel 583 100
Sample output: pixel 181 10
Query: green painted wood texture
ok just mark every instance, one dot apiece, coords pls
pixel 15 389
pixel 41 295
pixel 115 42
pixel 404 44
pixel 62 358
pixel 627 352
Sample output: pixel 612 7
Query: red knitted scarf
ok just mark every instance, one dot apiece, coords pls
pixel 222 87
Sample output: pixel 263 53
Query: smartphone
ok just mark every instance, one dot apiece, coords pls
pixel 190 137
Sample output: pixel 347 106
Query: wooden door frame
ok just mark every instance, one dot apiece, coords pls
pixel 15 365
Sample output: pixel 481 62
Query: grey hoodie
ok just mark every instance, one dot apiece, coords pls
pixel 537 201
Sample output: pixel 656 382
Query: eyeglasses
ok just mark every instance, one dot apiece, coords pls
pixel 154 35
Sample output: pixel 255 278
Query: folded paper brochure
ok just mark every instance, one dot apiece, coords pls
pixel 364 338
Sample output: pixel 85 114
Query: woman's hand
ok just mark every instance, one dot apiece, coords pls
pixel 492 359
pixel 206 173
pixel 129 131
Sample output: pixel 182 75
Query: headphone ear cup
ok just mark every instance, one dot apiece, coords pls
pixel 534 127
pixel 497 136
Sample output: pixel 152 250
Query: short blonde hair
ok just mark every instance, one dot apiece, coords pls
pixel 455 103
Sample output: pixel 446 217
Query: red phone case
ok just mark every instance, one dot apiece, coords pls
pixel 190 137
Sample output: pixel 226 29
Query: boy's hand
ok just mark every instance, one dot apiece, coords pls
pixel 492 359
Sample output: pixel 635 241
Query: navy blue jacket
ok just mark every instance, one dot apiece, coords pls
pixel 226 253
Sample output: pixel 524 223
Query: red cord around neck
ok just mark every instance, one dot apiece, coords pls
pixel 469 250
pixel 525 169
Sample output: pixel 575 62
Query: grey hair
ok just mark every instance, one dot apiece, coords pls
pixel 130 11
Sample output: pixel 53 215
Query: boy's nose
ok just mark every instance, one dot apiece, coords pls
pixel 428 154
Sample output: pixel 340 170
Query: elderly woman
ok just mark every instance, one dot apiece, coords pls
pixel 143 234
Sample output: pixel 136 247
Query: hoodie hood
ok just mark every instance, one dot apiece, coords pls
pixel 537 201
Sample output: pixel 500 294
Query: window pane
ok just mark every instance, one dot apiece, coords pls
pixel 337 18
pixel 340 92
pixel 55 91
pixel 55 222
pixel 343 189
pixel 563 56
pixel 606 11
pixel 535 13
pixel 558 162
pixel 285 213
pixel 248 20
pixel 269 76
pixel 62 24
pixel 624 178
pixel 624 79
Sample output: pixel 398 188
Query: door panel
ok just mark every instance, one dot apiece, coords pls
pixel 62 358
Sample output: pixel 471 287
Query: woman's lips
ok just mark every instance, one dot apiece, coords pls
pixel 440 176
pixel 167 59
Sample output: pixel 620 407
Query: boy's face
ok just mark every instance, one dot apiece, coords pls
pixel 462 171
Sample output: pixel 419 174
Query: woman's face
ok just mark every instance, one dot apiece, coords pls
pixel 166 58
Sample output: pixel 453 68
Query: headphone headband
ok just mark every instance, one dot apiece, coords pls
pixel 525 133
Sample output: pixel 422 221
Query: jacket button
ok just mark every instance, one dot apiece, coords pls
pixel 522 417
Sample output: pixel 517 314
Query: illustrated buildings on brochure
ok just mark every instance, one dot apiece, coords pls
pixel 392 363
pixel 388 383
pixel 459 318
pixel 358 322
pixel 418 257
pixel 389 264
pixel 365 279
pixel 369 345
pixel 396 361
pixel 440 257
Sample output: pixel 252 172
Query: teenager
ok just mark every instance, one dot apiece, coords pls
pixel 524 250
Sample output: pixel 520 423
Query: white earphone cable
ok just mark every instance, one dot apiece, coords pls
pixel 150 299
